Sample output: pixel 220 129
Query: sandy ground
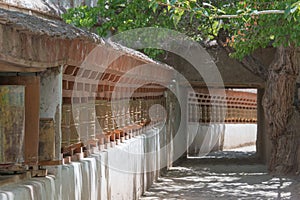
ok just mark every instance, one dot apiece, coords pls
pixel 191 179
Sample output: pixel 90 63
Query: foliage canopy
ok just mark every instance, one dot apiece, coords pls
pixel 247 25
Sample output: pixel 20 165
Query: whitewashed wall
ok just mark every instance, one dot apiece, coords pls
pixel 93 178
pixel 239 135
pixel 212 137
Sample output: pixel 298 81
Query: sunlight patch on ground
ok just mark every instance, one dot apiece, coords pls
pixel 222 182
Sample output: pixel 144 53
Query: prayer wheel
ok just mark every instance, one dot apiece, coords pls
pixel 12 124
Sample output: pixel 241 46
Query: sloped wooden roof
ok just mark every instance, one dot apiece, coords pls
pixel 30 43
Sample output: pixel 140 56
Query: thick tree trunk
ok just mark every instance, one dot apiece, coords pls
pixel 281 114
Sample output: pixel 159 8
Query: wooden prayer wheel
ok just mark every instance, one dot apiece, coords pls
pixel 204 113
pixel 12 124
pixel 70 124
pixel 47 140
pixel 101 107
pixel 74 134
pixel 65 134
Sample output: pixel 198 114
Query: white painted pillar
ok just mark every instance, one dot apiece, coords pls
pixel 51 102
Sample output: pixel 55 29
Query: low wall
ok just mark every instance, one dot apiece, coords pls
pixel 217 137
pixel 238 135
pixel 206 138
pixel 99 176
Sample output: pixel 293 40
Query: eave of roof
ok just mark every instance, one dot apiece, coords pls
pixel 59 34
pixel 42 26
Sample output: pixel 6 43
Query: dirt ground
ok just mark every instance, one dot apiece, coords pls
pixel 194 179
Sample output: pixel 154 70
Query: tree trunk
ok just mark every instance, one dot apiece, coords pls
pixel 282 117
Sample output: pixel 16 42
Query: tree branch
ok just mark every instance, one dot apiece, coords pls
pixel 250 63
pixel 255 13
pixel 255 66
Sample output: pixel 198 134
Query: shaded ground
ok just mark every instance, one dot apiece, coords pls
pixel 247 152
pixel 194 179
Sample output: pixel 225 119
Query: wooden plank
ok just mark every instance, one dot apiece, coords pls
pixel 39 173
pixel 8 67
pixel 32 115
pixel 72 147
pixel 50 163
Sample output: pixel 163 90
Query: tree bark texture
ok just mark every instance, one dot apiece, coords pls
pixel 282 117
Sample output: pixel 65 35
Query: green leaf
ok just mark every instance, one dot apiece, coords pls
pixel 287 11
pixel 249 32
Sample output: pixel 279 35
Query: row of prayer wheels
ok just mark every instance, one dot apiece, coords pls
pixel 231 107
pixel 104 122
pixel 221 114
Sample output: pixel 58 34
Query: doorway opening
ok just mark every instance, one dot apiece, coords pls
pixel 223 126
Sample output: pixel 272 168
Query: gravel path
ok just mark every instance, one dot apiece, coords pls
pixel 191 179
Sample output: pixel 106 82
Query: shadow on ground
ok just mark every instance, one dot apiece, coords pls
pixel 191 179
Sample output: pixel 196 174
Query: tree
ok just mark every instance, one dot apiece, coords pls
pixel 239 26
pixel 247 26
pixel 113 16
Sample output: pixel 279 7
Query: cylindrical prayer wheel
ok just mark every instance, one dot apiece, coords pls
pixel 75 114
pixel 253 115
pixel 91 121
pixel 204 113
pixel 199 113
pixel 65 124
pixel 69 124
pixel 47 139
pixel 65 134
pixel 91 131
pixel 216 113
pixel 209 114
pixel 83 132
pixel 213 116
pixel 74 134
pixel 12 124
pixel 229 114
pixel 100 108
pixel 143 110
pixel 66 116
pixel 127 114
